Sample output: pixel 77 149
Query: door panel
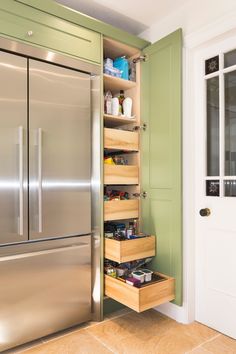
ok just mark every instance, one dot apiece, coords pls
pixel 13 152
pixel 215 184
pixel 161 154
pixel 53 282
pixel 59 108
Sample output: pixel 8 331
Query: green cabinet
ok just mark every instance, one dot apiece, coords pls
pixel 161 153
pixel 30 25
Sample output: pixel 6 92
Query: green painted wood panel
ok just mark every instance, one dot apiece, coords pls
pixel 161 154
pixel 48 31
pixel 50 6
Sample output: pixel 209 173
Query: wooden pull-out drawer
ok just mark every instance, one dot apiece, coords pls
pixel 118 174
pixel 140 299
pixel 121 209
pixel 121 140
pixel 129 250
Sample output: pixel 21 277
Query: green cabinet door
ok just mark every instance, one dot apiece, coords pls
pixel 161 153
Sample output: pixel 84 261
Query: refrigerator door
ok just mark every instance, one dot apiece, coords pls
pixel 13 152
pixel 45 287
pixel 60 151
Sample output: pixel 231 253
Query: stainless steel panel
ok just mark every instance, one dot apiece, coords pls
pixel 60 151
pixel 97 200
pixel 13 151
pixel 47 287
pixel 49 56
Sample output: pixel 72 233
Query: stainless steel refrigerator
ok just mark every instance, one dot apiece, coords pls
pixel 45 198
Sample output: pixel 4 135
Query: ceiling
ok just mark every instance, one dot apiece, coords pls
pixel 133 16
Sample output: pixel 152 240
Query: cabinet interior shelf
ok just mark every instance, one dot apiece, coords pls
pixel 116 84
pixel 117 121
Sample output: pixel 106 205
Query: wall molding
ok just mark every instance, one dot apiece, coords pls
pixel 177 313
pixel 213 30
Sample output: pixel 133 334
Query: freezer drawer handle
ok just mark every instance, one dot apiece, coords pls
pixel 40 180
pixel 21 182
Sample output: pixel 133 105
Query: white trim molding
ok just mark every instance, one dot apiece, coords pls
pixel 215 29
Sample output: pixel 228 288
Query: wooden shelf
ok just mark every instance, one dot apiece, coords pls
pixel 117 121
pixel 119 174
pixel 140 299
pixel 121 140
pixel 130 250
pixel 116 84
pixel 113 49
pixel 121 209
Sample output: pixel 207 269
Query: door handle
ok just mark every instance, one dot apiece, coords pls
pixel 21 182
pixel 205 212
pixel 40 217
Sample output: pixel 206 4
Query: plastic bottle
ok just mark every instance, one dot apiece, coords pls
pixel 121 98
pixel 108 102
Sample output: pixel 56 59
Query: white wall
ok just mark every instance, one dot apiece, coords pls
pixel 191 17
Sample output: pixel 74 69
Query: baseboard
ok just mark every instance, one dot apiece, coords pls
pixel 177 313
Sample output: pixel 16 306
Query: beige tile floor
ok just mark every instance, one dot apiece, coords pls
pixel 127 332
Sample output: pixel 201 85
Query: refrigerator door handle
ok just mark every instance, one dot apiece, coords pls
pixel 40 217
pixel 21 182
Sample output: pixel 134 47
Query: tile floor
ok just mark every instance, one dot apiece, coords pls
pixel 126 332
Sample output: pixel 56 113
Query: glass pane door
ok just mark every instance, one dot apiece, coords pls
pixel 220 77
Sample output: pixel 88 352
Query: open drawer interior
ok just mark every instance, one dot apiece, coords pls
pixel 144 298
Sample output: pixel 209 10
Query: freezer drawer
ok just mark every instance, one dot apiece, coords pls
pixel 45 289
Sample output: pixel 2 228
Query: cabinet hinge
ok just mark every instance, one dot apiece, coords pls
pixel 142 58
pixel 143 127
pixel 142 195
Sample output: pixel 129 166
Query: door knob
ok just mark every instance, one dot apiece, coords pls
pixel 205 212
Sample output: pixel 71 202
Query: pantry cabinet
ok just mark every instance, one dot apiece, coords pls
pixel 150 142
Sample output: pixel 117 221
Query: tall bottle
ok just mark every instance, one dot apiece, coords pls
pixel 121 98
pixel 108 102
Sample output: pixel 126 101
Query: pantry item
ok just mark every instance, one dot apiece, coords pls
pixel 148 274
pixel 108 62
pixel 109 161
pixel 121 98
pixel 127 107
pixel 138 274
pixel 122 64
pixel 132 71
pixel 120 271
pixel 108 102
pixel 130 230
pixel 115 106
pixel 132 281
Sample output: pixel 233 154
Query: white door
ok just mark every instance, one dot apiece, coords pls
pixel 215 146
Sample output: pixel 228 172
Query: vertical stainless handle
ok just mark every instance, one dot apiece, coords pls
pixel 40 180
pixel 21 182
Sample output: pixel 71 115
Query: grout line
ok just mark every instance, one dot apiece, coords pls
pixel 55 337
pixel 206 341
pixel 101 342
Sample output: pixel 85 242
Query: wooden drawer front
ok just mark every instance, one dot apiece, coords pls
pixel 53 33
pixel 140 299
pixel 114 174
pixel 129 250
pixel 121 209
pixel 121 140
